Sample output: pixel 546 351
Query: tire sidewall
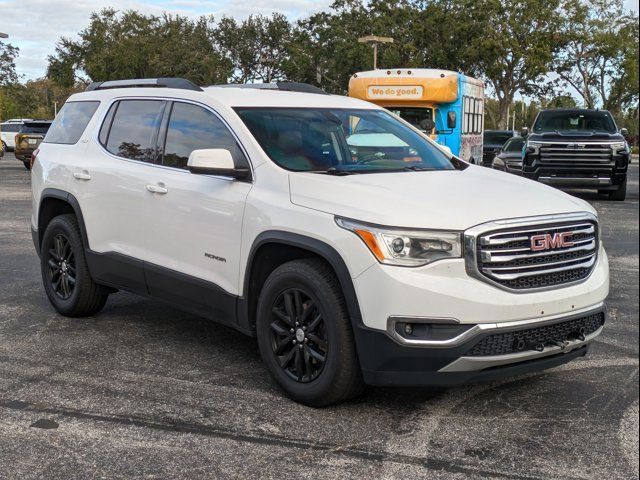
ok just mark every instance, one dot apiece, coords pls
pixel 57 226
pixel 280 281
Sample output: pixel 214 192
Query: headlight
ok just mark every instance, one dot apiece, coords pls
pixel 406 248
pixel 618 146
pixel 533 147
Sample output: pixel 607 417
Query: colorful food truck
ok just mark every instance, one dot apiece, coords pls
pixel 449 106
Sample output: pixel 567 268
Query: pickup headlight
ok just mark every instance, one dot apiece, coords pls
pixel 406 248
pixel 618 146
pixel 532 147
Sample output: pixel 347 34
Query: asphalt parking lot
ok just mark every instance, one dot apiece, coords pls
pixel 144 390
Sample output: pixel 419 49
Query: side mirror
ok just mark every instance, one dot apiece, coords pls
pixel 524 132
pixel 215 161
pixel 428 125
pixel 624 132
pixel 451 119
pixel 497 151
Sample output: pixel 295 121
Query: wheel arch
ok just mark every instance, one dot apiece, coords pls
pixel 54 202
pixel 291 246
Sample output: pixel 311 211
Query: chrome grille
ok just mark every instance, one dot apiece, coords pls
pixel 588 153
pixel 506 257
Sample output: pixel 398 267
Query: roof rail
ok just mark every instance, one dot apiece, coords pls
pixel 180 83
pixel 284 86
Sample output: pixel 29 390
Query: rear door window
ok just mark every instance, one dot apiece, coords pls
pixel 134 129
pixel 194 128
pixel 70 122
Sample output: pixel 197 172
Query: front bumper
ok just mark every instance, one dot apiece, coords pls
pixel 577 174
pixel 386 361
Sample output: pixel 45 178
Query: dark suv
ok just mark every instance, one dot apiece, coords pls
pixel 492 142
pixel 28 139
pixel 577 148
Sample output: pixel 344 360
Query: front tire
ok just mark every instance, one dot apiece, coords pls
pixel 620 194
pixel 27 165
pixel 65 274
pixel 305 336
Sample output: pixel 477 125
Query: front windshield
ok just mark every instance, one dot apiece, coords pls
pixel 341 141
pixel 496 138
pixel 514 145
pixel 419 117
pixel 574 121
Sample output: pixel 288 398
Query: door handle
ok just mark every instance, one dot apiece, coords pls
pixel 82 176
pixel 157 189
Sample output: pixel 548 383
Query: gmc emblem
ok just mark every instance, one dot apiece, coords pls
pixel 548 241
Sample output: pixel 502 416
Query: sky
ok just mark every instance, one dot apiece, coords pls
pixel 36 25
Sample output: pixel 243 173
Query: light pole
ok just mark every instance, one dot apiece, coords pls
pixel 375 41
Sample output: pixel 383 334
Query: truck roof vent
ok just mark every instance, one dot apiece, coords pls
pixel 180 83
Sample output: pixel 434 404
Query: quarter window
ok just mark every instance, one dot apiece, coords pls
pixel 195 128
pixel 134 129
pixel 71 122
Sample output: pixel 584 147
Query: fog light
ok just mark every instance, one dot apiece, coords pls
pixel 408 328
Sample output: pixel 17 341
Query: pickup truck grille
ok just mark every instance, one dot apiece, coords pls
pixel 585 153
pixel 535 257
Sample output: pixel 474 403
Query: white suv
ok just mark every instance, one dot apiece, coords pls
pixel 8 131
pixel 352 246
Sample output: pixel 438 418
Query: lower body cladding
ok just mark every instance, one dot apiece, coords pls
pixel 467 353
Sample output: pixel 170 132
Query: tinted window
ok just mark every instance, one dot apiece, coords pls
pixel 10 127
pixel 514 145
pixel 194 128
pixel 575 120
pixel 35 128
pixel 134 129
pixel 358 141
pixel 71 122
pixel 497 138
pixel 415 116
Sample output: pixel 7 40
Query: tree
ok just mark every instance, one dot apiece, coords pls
pixel 8 55
pixel 255 47
pixel 516 47
pixel 133 45
pixel 600 58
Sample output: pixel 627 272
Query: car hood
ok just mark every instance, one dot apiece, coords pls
pixel 568 136
pixel 453 199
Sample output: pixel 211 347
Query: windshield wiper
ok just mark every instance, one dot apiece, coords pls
pixel 338 172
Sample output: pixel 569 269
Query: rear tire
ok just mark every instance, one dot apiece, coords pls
pixel 65 274
pixel 305 336
pixel 620 194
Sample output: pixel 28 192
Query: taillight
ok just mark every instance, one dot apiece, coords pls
pixel 34 157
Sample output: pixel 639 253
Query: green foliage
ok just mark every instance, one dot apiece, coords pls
pixel 256 47
pixel 133 45
pixel 34 99
pixel 547 50
pixel 8 54
pixel 600 59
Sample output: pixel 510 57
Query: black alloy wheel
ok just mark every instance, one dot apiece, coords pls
pixel 65 273
pixel 305 335
pixel 62 267
pixel 298 335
